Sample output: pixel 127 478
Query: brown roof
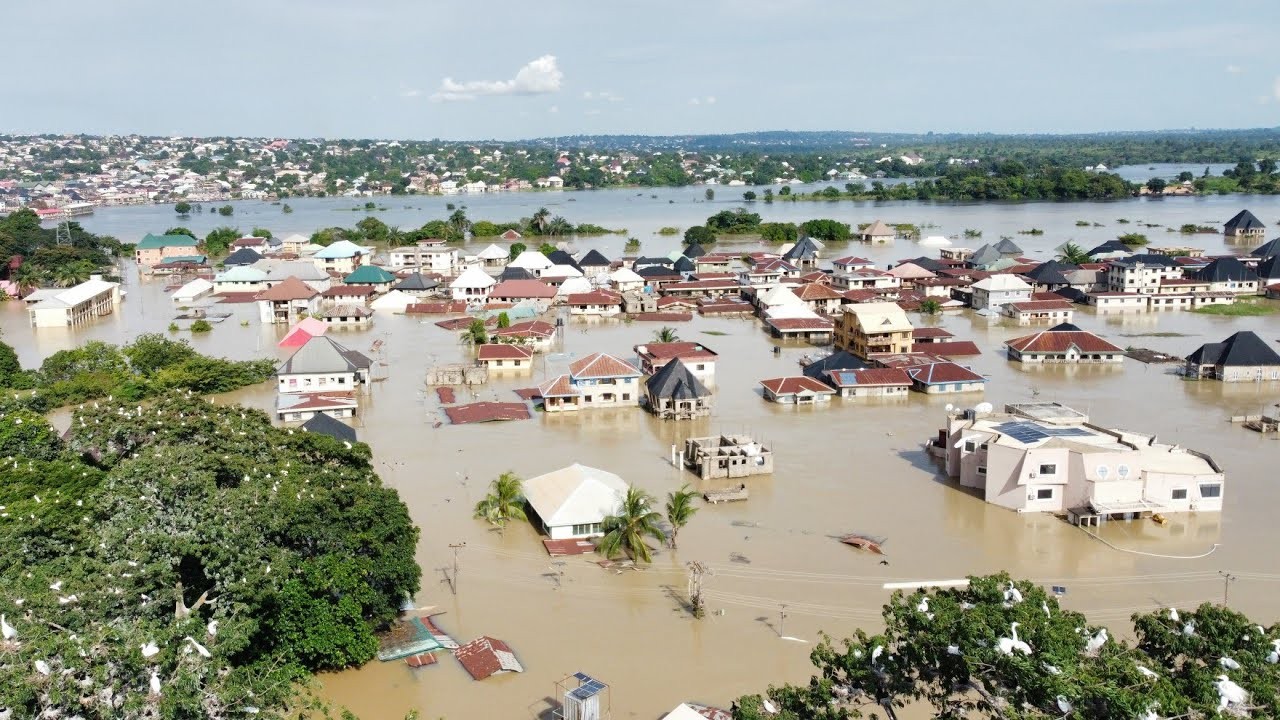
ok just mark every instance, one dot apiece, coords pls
pixel 559 386
pixel 860 295
pixel 684 302
pixel 436 308
pixel 955 348
pixel 522 289
pixel 869 377
pixel 317 401
pixel 1057 342
pixel 930 332
pixel 1040 305
pixel 527 328
pixel 486 656
pixel 816 291
pixel 851 260
pixel 595 297
pixel 704 284
pixel 600 365
pixel 943 372
pixel 291 288
pixel 503 351
pixel 479 412
pixel 801 323
pixel 667 351
pixel 348 291
pixel 795 384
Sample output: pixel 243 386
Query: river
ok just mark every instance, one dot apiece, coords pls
pixel 843 468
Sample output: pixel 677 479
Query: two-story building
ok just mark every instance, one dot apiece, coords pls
pixel 866 329
pixel 428 257
pixel 153 249
pixel 700 358
pixel 595 381
pixel 1141 274
pixel 342 257
pixel 993 292
pixel 322 364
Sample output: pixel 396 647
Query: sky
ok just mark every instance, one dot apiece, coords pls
pixel 501 69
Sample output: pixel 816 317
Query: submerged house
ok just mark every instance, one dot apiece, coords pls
pixel 727 456
pixel 1243 357
pixel 1045 457
pixel 573 502
pixel 74 305
pixel 287 301
pixel 1244 225
pixel 1064 343
pixel 673 393
pixel 796 390
pixel 595 381
pixel 322 364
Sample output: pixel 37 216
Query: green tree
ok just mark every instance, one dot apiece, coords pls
pixel 779 232
pixel 768 195
pixel 538 223
pixel 219 240
pixel 182 207
pixel 700 234
pixel 286 208
pixel 1073 253
pixel 226 210
pixel 709 194
pixel 666 334
pixel 10 368
pixel 1133 239
pixel 826 230
pixel 559 226
pixel 477 334
pixel 261 232
pixel 784 190
pixel 546 248
pixel 749 195
pixel 201 326
pixel 632 245
pixel 930 306
pixel 151 352
pixel 1156 185
pixel 373 230
pixel 516 249
pixel 626 532
pixel 179 230
pixel 504 502
pixel 680 510
pixel 504 320
pixel 459 225
pixel 1185 176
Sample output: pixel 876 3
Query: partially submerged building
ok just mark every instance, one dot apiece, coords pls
pixel 75 305
pixel 727 456
pixel 1243 357
pixel 1064 343
pixel 675 393
pixel 573 502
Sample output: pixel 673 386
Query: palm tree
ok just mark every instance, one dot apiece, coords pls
pixel 665 334
pixel 540 220
pixel 680 509
pixel 28 276
pixel 459 223
pixel 625 532
pixel 929 306
pixel 70 274
pixel 559 226
pixel 504 502
pixel 1073 253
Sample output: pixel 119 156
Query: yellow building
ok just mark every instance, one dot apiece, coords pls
pixel 871 328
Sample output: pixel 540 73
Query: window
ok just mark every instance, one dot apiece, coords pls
pixel 702 366
pixel 586 529
pixel 1048 469
pixel 1179 494
pixel 1044 494
pixel 626 396
pixel 969 446
pixel 982 469
pixel 498 363
pixel 1211 491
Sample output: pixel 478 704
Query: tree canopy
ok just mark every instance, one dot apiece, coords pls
pixel 1005 649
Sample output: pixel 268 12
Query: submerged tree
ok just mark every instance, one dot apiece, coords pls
pixel 504 502
pixel 627 531
pixel 666 334
pixel 680 510
pixel 1005 649
pixel 1073 253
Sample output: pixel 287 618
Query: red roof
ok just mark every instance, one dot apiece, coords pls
pixel 817 276
pixel 572 546
pixel 1040 305
pixel 291 288
pixel 595 297
pixel 795 384
pixel 816 291
pixel 503 351
pixel 677 302
pixel 479 412
pixel 870 377
pixel 1049 341
pixel 800 323
pixel 860 295
pixel 943 372
pixel 683 350
pixel 955 348
pixel 486 656
pixel 600 365
pixel 704 284
pixel 527 328
pixel 523 289
pixel 930 332
pixel 848 260
pixel 774 265
pixel 348 291
pixel 294 402
pixel 662 317
pixel 559 386
pixel 436 308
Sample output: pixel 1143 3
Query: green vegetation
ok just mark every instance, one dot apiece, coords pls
pixel 149 366
pixel 972 233
pixel 219 240
pixel 173 327
pixel 955 649
pixel 1010 180
pixel 1082 223
pixel 516 249
pixel 717 333
pixel 749 196
pixel 779 232
pixel 1133 239
pixel 666 334
pixel 286 208
pixel 709 194
pixel 826 230
pixel 930 306
pixel 1074 254
pixel 632 245
pixel 668 230
pixel 45 262
pixel 1240 308
pixel 700 234
pixel 182 207
pixel 734 222
pixel 504 502
pixel 680 510
pixel 201 326
pixel 195 544
pixel 1031 231
pixel 504 320
pixel 226 211
pixel 1192 229
pixel 476 333
pixel 626 532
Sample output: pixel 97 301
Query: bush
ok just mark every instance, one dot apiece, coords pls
pixel 778 233
pixel 826 230
pixel 226 210
pixel 668 230
pixel 1133 239
pixel 700 235
pixel 201 326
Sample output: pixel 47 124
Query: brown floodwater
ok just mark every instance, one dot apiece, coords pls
pixel 846 467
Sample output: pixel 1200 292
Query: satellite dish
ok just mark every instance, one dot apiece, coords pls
pixel 950 407
pixel 984 407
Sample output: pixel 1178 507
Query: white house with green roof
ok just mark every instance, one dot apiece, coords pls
pixel 154 249
pixel 342 257
pixel 371 276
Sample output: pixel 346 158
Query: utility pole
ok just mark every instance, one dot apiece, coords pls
pixel 782 620
pixel 453 577
pixel 697 571
pixel 1227 579
pixel 557 572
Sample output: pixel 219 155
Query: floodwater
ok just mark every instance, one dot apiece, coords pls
pixel 850 466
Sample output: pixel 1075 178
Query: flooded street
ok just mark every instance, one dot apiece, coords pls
pixel 849 466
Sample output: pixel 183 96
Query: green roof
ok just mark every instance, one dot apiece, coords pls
pixel 369 275
pixel 156 242
pixel 197 259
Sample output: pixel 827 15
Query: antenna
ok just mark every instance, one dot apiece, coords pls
pixel 62 235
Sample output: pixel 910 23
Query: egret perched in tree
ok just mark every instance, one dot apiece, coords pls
pixel 155 684
pixel 1011 595
pixel 9 633
pixel 953 650
pixel 212 628
pixel 1008 645
pixel 1189 629
pixel 1064 705
pixel 1052 669
pixel 875 654
pixel 1228 664
pixel 42 667
pixel 149 650
pixel 1147 673
pixel 1273 657
pixel 1096 642
pixel 1045 606
pixel 56 586
pixel 1229 693
pixel 204 651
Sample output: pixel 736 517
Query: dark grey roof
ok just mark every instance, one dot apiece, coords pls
pixel 1148 259
pixel 243 256
pixel 1243 349
pixel 655 271
pixel 804 249
pixel 1225 269
pixel 1244 220
pixel 1052 272
pixel 1064 327
pixel 694 250
pixel 650 262
pixel 515 273
pixel 416 282
pixel 1075 295
pixel 928 263
pixel 842 360
pixel 593 258
pixel 684 264
pixel 1111 246
pixel 323 354
pixel 985 255
pixel 560 257
pixel 325 424
pixel 673 381
pixel 1270 248
pixel 1269 269
pixel 1008 247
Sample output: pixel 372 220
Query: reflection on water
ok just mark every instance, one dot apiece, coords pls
pixel 848 467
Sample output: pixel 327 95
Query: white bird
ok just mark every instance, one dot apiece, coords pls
pixel 1012 595
pixel 1228 664
pixel 1007 646
pixel 923 605
pixel 1052 669
pixel 1230 693
pixel 1189 629
pixel 769 707
pixel 1096 642
pixel 212 628
pixel 67 599
pixel 1173 614
pixel 56 586
pixel 875 653
pixel 204 651
pixel 1147 673
pixel 1045 606
pixel 155 684
pixel 149 650
pixel 953 650
pixel 7 630
pixel 1063 704
pixel 1273 657
pixel 1149 714
pixel 42 667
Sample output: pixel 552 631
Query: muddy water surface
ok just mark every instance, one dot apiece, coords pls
pixel 842 468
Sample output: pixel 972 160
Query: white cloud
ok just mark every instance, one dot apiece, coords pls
pixel 1234 69
pixel 711 100
pixel 695 101
pixel 539 77
pixel 553 109
pixel 591 112
pixel 1276 88
pixel 410 93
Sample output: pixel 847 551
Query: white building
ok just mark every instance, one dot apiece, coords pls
pixel 533 261
pixel 74 305
pixel 322 364
pixel 473 286
pixel 1141 273
pixel 997 290
pixel 342 257
pixel 572 502
pixel 192 291
pixel 424 258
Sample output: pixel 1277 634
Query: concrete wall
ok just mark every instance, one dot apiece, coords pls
pixel 316 382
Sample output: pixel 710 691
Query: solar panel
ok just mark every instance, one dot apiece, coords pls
pixel 1027 432
pixel 582 677
pixel 589 689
